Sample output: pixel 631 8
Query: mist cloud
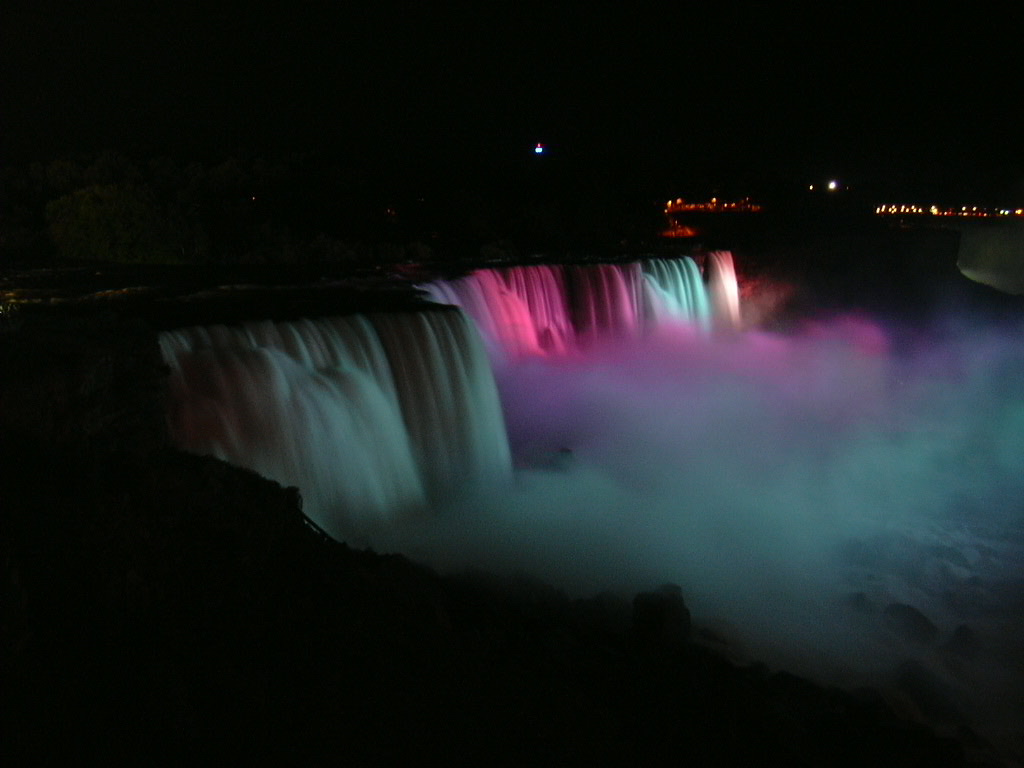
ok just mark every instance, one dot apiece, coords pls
pixel 780 480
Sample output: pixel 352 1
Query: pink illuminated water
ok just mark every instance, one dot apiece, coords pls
pixel 723 289
pixel 558 310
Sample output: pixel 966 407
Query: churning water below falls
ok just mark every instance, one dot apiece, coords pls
pixel 846 501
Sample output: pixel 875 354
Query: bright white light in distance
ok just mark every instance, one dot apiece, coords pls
pixel 833 185
pixel 539 149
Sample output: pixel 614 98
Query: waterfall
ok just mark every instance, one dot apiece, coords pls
pixel 372 417
pixel 520 310
pixel 675 290
pixel 724 291
pixel 817 460
pixel 379 417
pixel 551 309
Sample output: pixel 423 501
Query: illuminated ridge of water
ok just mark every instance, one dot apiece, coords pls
pixel 556 309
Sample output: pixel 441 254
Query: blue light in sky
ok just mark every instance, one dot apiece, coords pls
pixel 539 149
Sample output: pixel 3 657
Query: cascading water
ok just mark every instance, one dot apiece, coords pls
pixel 372 417
pixel 605 299
pixel 520 311
pixel 675 290
pixel 724 291
pixel 545 309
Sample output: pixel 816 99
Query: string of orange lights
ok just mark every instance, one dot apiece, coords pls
pixel 714 205
pixel 967 211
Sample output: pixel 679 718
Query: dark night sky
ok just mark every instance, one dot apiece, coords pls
pixel 891 98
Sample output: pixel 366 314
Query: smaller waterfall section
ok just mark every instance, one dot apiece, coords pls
pixel 554 309
pixel 723 289
pixel 372 417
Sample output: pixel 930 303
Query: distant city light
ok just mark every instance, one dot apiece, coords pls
pixel 539 149
pixel 832 185
pixel 674 209
pixel 713 206
pixel 974 211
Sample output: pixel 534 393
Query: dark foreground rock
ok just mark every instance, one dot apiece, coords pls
pixel 161 607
